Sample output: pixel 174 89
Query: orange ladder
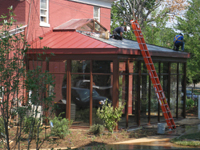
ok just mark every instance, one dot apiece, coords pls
pixel 153 75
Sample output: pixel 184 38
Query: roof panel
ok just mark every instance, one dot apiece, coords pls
pixel 64 41
pixel 68 39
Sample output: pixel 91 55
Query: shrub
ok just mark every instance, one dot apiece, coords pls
pixel 110 115
pixel 2 126
pixel 189 103
pixel 97 129
pixel 60 127
pixel 31 124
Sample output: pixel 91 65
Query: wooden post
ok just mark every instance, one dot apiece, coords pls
pixel 115 90
pixel 68 90
pixel 47 94
pixel 127 88
pixel 184 90
pixel 177 90
pixel 91 89
pixel 159 75
pixel 149 106
pixel 169 83
pixel 138 93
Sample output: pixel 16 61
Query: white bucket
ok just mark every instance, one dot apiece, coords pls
pixel 161 128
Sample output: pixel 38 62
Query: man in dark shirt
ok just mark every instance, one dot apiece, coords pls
pixel 178 41
pixel 118 32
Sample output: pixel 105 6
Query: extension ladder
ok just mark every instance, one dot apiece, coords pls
pixel 153 75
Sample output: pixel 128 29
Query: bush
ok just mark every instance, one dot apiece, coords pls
pixel 97 129
pixel 110 115
pixel 189 103
pixel 31 123
pixel 2 130
pixel 60 127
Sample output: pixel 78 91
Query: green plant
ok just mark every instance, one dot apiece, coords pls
pixel 31 125
pixel 189 103
pixel 110 115
pixel 97 129
pixel 2 126
pixel 60 127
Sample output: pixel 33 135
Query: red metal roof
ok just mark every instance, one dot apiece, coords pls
pixel 68 40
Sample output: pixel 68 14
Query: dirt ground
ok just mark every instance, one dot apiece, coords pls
pixel 81 137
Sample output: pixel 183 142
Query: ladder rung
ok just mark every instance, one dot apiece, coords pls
pixel 166 112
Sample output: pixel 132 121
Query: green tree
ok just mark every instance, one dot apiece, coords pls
pixel 190 27
pixel 13 47
pixel 125 10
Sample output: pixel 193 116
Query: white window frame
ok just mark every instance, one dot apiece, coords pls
pixel 2 93
pixel 99 16
pixel 45 24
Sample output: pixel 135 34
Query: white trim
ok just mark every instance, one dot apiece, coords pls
pixel 100 3
pixel 99 14
pixel 45 24
pixel 15 31
pixel 42 24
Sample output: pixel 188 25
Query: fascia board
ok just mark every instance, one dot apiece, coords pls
pixel 102 3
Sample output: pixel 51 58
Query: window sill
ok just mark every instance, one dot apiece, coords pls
pixel 44 25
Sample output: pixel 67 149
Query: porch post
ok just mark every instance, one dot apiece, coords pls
pixel 169 83
pixel 138 93
pixel 159 75
pixel 184 90
pixel 26 92
pixel 115 90
pixel 47 94
pixel 127 94
pixel 68 90
pixel 177 90
pixel 149 103
pixel 91 89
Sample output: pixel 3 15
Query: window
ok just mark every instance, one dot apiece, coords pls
pixel 96 13
pixel 1 93
pixel 44 13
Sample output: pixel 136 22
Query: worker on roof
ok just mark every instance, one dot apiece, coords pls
pixel 118 32
pixel 178 41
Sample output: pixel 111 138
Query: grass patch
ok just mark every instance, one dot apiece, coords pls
pixel 188 140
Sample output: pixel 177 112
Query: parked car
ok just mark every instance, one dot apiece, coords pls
pixel 81 97
pixel 189 94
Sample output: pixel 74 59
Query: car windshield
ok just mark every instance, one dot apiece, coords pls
pixel 85 94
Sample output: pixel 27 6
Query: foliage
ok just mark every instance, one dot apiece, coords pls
pixel 11 69
pixel 190 27
pixel 188 139
pixel 189 103
pixel 30 126
pixel 110 115
pixel 1 126
pixel 125 10
pixel 13 48
pixel 60 127
pixel 97 129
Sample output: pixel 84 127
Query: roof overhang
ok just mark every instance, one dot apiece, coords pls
pixel 77 37
pixel 101 3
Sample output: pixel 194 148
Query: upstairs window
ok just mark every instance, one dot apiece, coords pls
pixel 44 13
pixel 96 13
pixel 1 93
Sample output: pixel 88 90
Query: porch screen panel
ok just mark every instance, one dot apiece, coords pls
pixel 102 92
pixel 80 99
pixel 180 96
pixel 154 105
pixel 144 94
